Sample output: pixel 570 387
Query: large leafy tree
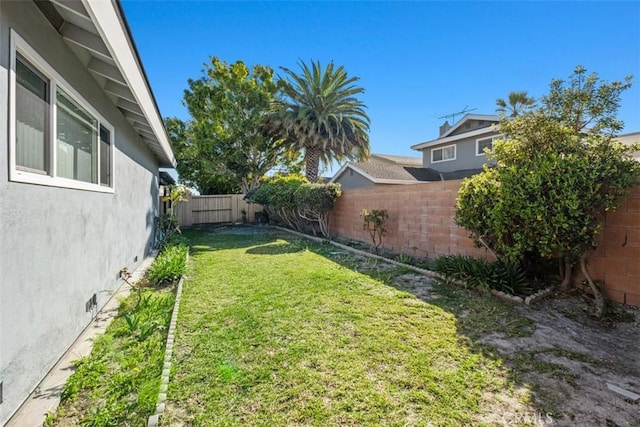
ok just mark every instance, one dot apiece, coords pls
pixel 585 103
pixel 515 104
pixel 222 147
pixel 557 173
pixel 195 170
pixel 321 116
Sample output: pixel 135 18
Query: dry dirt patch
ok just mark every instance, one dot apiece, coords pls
pixel 578 356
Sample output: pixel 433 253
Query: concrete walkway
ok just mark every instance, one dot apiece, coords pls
pixel 46 397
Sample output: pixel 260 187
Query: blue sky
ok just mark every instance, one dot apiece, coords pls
pixel 417 61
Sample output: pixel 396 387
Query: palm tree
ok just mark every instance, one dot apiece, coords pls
pixel 518 102
pixel 320 115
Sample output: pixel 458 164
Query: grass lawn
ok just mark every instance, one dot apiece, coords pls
pixel 118 383
pixel 276 331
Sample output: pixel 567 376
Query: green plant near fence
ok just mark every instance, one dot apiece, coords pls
pixel 296 203
pixel 375 223
pixel 502 276
pixel 169 266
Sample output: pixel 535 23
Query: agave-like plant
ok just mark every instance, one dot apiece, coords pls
pixel 320 115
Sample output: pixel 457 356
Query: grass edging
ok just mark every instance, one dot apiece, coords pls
pixel 496 293
pixel 168 353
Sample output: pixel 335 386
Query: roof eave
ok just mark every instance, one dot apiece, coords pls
pixel 489 117
pixel 371 178
pixel 112 27
pixel 438 141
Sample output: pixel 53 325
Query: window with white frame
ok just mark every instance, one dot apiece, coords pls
pixel 443 154
pixel 57 138
pixel 483 143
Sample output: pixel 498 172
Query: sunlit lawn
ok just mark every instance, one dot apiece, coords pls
pixel 275 332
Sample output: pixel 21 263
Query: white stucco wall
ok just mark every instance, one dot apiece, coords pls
pixel 60 246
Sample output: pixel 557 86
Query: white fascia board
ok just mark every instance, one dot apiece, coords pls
pixel 105 17
pixel 397 181
pixel 488 117
pixel 339 173
pixel 488 130
pixel 355 169
pixel 369 177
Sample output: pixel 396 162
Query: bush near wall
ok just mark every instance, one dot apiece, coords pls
pixel 421 225
pixel 296 203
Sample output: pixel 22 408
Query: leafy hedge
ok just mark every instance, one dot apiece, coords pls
pixel 557 172
pixel 296 203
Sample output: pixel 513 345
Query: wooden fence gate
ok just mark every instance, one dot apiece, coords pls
pixel 226 208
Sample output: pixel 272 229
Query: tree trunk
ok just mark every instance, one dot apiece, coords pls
pixel 566 278
pixel 596 292
pixel 312 163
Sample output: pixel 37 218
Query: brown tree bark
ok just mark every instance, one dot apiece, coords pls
pixel 312 163
pixel 599 299
pixel 565 285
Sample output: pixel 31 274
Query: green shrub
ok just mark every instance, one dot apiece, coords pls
pixel 296 203
pixel 169 266
pixel 375 222
pixel 173 240
pixel 117 385
pixel 557 172
pixel 502 276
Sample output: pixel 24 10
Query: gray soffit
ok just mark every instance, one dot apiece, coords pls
pixel 98 34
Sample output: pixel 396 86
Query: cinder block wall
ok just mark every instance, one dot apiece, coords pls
pixel 420 218
pixel 616 261
pixel 421 224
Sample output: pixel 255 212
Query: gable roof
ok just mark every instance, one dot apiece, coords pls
pixel 448 137
pixel 379 173
pixel 98 33
pixel 398 160
pixel 466 118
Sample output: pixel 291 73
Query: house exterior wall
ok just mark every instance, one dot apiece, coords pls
pixel 352 179
pixel 60 246
pixel 421 224
pixel 465 155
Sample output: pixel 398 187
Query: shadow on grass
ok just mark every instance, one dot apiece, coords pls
pixel 276 248
pixel 200 237
pixel 476 316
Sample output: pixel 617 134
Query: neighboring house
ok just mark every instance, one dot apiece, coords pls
pixel 461 146
pixel 368 174
pixel 380 169
pixel 81 141
pixel 630 139
pixel 390 159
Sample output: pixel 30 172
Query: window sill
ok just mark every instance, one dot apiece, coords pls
pixel 32 178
